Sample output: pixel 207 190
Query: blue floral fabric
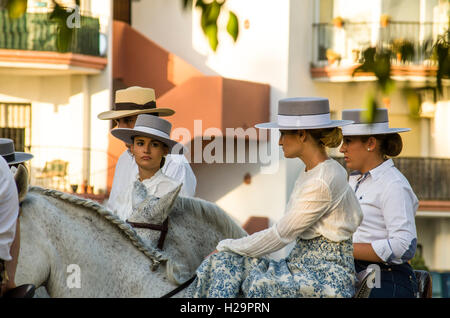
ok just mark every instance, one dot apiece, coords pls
pixel 314 268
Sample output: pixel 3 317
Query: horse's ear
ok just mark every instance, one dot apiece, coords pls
pixel 21 178
pixel 139 195
pixel 165 203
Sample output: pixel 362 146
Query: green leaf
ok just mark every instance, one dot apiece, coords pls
pixel 211 34
pixel 371 107
pixel 233 26
pixel 64 36
pixel 187 4
pixel 210 14
pixel 16 8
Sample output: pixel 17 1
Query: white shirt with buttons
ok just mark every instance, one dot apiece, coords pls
pixel 389 206
pixel 9 210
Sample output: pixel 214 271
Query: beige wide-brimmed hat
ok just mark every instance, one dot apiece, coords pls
pixel 149 126
pixel 303 113
pixel 132 101
pixel 360 127
pixel 11 156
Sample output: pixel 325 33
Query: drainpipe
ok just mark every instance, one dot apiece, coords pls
pixel 425 137
pixel 86 130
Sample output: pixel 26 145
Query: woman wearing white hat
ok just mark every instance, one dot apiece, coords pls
pixel 150 144
pixel 387 235
pixel 321 216
pixel 9 221
pixel 129 103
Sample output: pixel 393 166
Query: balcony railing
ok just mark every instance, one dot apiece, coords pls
pixel 346 43
pixel 34 31
pixel 429 177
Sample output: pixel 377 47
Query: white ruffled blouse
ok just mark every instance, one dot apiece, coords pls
pixel 322 203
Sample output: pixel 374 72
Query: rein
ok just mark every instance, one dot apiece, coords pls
pixel 164 227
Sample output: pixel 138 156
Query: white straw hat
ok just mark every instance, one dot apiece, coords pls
pixel 132 101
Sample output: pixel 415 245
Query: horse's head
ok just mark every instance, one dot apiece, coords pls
pixel 148 207
pixel 21 178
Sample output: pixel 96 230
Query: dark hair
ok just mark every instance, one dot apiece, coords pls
pixel 390 144
pixel 328 137
pixel 163 161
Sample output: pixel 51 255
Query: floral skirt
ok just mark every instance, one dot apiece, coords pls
pixel 314 268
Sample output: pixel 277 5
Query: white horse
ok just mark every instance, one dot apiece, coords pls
pixel 188 240
pixel 77 248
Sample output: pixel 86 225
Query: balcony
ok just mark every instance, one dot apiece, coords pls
pixel 28 45
pixel 337 50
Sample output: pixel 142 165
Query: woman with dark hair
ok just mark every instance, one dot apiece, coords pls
pixel 320 218
pixel 387 235
pixel 150 144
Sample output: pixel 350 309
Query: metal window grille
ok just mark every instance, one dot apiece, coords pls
pixel 15 123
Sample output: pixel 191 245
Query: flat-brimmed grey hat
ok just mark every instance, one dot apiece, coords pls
pixel 11 156
pixel 303 113
pixel 361 127
pixel 149 126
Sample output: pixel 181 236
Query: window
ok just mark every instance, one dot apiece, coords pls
pixel 15 123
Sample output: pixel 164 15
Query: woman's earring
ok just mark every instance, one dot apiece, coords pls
pixel 368 149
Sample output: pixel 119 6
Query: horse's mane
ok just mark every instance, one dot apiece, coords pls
pixel 155 256
pixel 211 213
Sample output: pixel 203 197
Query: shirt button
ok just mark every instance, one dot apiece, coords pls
pixel 360 198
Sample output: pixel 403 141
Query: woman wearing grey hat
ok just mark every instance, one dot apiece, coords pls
pixel 320 218
pixel 150 143
pixel 129 103
pixel 9 221
pixel 387 235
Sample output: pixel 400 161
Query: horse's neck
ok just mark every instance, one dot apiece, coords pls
pixel 61 240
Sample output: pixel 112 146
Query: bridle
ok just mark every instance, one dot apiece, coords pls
pixel 164 227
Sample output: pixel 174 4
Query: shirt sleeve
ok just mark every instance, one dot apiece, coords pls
pixel 124 175
pixel 399 207
pixel 177 167
pixel 111 204
pixel 9 210
pixel 308 205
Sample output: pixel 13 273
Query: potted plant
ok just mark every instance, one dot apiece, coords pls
pixel 338 22
pixel 404 49
pixel 385 19
pixel 333 56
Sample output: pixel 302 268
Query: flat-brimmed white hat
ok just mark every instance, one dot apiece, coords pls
pixel 149 126
pixel 11 156
pixel 132 101
pixel 303 113
pixel 361 127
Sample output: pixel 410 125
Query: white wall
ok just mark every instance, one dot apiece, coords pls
pixel 260 55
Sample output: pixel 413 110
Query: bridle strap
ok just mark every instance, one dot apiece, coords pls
pixel 180 288
pixel 164 227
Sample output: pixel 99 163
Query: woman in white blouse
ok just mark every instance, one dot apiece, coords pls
pixel 387 235
pixel 150 143
pixel 321 216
